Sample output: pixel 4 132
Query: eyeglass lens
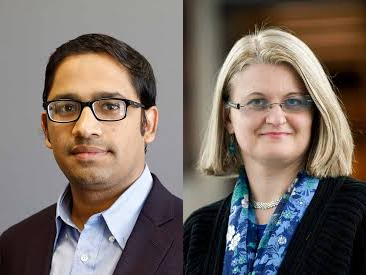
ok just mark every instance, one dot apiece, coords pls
pixel 104 109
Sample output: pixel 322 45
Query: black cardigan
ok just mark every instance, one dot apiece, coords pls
pixel 330 239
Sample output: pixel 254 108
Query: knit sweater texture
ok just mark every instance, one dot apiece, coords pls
pixel 330 239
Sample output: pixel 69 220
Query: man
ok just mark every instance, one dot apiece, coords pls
pixel 114 217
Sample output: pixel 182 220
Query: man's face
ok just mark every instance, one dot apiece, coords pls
pixel 98 154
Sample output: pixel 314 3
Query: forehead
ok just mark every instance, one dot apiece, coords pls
pixel 86 75
pixel 267 79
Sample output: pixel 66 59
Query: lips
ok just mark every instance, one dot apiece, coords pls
pixel 275 134
pixel 87 149
pixel 86 152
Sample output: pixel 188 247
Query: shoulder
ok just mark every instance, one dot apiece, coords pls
pixel 334 226
pixel 355 188
pixel 201 227
pixel 29 236
pixel 160 194
pixel 341 198
pixel 202 223
pixel 208 214
pixel 31 224
pixel 163 209
pixel 165 212
pixel 345 182
pixel 345 192
pixel 353 185
pixel 340 207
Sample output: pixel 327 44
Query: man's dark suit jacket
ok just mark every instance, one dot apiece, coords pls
pixel 155 245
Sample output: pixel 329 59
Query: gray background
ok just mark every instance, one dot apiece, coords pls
pixel 29 32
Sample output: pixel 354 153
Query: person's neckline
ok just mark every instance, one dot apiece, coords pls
pixel 261 225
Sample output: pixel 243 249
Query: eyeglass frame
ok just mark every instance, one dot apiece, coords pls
pixel 89 104
pixel 268 106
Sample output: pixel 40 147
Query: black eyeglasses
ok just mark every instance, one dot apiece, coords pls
pixel 104 109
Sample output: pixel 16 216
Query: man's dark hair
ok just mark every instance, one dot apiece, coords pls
pixel 139 69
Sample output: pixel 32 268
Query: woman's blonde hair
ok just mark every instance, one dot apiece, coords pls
pixel 331 149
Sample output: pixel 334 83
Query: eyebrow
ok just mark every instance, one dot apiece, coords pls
pixel 96 95
pixel 288 94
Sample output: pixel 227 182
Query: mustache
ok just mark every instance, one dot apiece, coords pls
pixel 81 142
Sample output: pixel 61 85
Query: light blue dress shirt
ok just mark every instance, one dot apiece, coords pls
pixel 98 247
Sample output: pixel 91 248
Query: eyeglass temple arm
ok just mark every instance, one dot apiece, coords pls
pixel 135 104
pixel 234 105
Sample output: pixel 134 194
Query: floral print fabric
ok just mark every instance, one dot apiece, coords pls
pixel 246 255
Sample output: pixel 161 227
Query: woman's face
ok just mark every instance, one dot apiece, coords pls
pixel 271 137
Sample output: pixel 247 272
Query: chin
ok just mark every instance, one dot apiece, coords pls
pixel 88 178
pixel 279 158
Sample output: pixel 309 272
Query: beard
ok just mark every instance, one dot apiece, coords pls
pixel 93 175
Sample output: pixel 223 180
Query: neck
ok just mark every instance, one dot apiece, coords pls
pixel 268 183
pixel 87 201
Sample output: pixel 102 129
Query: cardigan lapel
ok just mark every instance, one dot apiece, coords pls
pixel 213 262
pixel 302 241
pixel 149 242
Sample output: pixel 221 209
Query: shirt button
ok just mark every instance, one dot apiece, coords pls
pixel 111 239
pixel 84 258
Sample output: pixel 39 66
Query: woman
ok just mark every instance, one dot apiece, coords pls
pixel 277 124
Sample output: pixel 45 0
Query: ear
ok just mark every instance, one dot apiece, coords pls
pixel 45 130
pixel 226 116
pixel 152 119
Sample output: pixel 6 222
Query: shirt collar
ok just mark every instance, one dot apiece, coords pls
pixel 120 217
pixel 63 212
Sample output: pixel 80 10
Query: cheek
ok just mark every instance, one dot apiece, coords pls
pixel 125 137
pixel 245 130
pixel 58 135
pixel 304 124
pixel 303 127
pixel 244 127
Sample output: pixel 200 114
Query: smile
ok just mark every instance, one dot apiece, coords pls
pixel 275 135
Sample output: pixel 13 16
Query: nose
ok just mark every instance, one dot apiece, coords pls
pixel 87 126
pixel 275 115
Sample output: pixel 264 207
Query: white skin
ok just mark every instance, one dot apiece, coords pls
pixel 100 159
pixel 273 144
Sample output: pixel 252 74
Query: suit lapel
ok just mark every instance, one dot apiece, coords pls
pixel 149 242
pixel 40 246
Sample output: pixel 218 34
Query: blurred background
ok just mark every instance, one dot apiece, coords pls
pixel 334 30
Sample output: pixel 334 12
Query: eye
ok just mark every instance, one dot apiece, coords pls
pixel 65 108
pixel 111 106
pixel 257 102
pixel 294 102
pixel 69 108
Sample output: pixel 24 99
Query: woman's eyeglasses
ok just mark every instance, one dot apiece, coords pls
pixel 293 104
